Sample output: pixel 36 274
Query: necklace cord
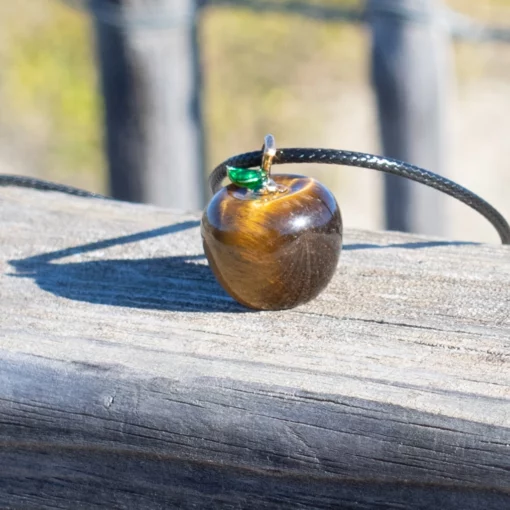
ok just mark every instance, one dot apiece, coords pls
pixel 362 160
pixel 33 183
pixel 323 156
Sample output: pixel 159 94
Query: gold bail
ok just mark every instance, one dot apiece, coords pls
pixel 268 153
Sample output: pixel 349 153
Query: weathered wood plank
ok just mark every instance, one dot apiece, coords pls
pixel 129 379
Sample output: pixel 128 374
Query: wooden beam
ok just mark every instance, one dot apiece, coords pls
pixel 150 76
pixel 324 13
pixel 412 75
pixel 129 379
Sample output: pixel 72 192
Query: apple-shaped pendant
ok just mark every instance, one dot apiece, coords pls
pixel 273 242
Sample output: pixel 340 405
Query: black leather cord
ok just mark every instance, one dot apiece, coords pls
pixel 33 183
pixel 359 159
pixel 325 156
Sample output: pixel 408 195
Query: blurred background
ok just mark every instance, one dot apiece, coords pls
pixel 241 71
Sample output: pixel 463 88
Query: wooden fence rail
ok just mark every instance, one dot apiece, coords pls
pixel 128 379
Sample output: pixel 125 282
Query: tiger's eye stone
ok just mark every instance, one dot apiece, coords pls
pixel 273 251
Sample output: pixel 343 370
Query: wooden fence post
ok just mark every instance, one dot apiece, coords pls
pixel 148 60
pixel 411 71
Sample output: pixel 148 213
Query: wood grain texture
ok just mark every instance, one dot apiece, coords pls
pixel 129 379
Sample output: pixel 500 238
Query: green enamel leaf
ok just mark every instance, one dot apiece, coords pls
pixel 247 177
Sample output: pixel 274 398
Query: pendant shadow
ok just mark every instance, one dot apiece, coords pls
pixel 177 283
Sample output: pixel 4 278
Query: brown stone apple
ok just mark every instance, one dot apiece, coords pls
pixel 277 249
